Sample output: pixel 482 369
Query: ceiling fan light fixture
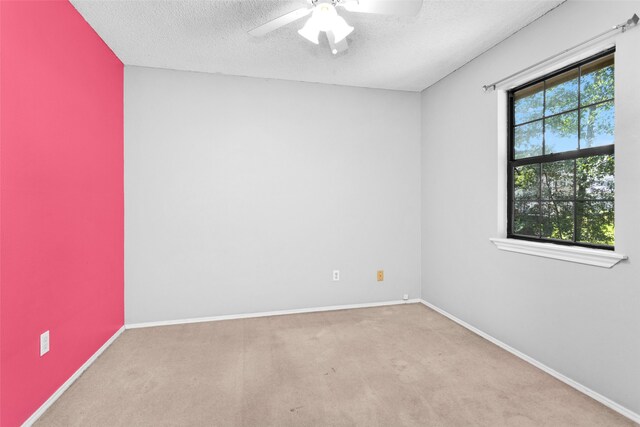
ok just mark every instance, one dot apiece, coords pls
pixel 341 29
pixel 324 16
pixel 310 31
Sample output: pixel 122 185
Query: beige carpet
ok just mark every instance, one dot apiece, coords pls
pixel 400 365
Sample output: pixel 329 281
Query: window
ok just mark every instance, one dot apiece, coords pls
pixel 561 156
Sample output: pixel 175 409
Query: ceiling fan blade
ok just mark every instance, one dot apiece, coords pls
pixel 383 7
pixel 280 22
pixel 338 47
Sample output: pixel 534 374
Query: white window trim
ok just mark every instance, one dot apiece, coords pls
pixel 578 254
pixel 589 256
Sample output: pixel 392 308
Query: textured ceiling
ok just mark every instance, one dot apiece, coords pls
pixel 389 52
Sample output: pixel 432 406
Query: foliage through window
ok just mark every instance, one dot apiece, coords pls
pixel 561 156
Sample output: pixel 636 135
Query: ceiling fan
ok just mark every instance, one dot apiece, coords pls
pixel 325 18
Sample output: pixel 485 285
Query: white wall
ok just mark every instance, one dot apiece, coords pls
pixel 580 320
pixel 242 195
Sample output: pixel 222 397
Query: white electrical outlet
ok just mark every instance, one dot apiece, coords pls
pixel 44 343
pixel 405 297
pixel 336 275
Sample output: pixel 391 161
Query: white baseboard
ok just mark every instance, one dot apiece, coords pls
pixel 41 410
pixel 576 385
pixel 267 313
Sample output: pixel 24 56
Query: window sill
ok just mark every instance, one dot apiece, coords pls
pixel 597 257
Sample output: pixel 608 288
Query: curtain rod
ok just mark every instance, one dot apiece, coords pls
pixel 620 27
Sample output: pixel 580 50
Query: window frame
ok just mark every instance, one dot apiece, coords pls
pixel 512 162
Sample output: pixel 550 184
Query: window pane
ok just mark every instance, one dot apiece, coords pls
pixel 595 222
pixel 561 133
pixel 595 178
pixel 528 140
pixel 596 125
pixel 569 200
pixel 557 180
pixel 528 103
pixel 562 93
pixel 597 81
pixel 557 220
pixel 526 216
pixel 526 182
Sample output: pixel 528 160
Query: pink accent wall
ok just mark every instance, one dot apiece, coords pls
pixel 61 199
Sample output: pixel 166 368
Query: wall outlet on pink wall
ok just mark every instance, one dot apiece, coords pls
pixel 44 343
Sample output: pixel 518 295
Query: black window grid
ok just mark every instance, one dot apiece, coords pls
pixel 553 157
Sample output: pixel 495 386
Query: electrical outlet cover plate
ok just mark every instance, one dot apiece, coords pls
pixel 44 343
